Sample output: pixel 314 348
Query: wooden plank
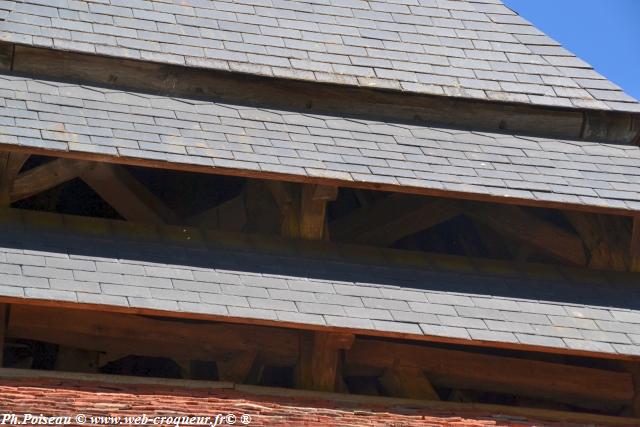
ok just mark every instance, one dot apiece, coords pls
pixel 150 337
pixel 46 176
pixel 392 218
pixel 10 165
pixel 634 250
pixel 518 224
pixel 458 369
pixel 318 363
pixel 408 382
pixel 4 311
pixel 128 196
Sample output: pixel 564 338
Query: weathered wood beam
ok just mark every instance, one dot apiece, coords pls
pixel 235 367
pixel 408 382
pixel 128 196
pixel 392 218
pixel 296 95
pixel 10 165
pixel 4 311
pixel 519 224
pixel 604 238
pixel 303 208
pixel 230 215
pixel 634 250
pixel 46 176
pixel 318 363
pixel 6 56
pixel 465 370
pixel 144 336
pixel 313 207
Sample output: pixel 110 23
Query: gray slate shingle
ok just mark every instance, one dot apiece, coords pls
pixel 455 303
pixel 468 48
pixel 203 133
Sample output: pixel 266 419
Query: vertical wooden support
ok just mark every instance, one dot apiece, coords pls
pixel 634 250
pixel 319 362
pixel 303 208
pixel 4 311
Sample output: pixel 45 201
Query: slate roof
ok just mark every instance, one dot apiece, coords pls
pixel 81 119
pixel 447 296
pixel 476 49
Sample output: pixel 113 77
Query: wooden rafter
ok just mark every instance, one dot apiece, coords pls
pixel 46 176
pixel 10 165
pixel 457 369
pixel 235 367
pixel 128 196
pixel 408 382
pixel 520 225
pixel 392 218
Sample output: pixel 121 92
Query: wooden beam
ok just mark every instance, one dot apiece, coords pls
pixel 235 367
pixel 299 96
pixel 230 215
pixel 144 336
pixel 128 196
pixel 303 208
pixel 459 369
pixel 10 165
pixel 4 312
pixel 46 176
pixel 313 207
pixel 318 364
pixel 521 225
pixel 634 251
pixel 605 239
pixel 392 218
pixel 408 382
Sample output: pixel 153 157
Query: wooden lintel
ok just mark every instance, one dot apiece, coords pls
pixel 235 367
pixel 635 245
pixel 521 225
pixel 459 369
pixel 46 176
pixel 128 196
pixel 392 218
pixel 318 365
pixel 408 382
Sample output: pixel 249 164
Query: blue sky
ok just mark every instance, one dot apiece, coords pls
pixel 605 33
